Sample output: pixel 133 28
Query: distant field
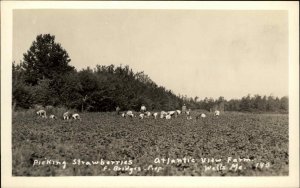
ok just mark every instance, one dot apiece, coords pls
pixel 111 145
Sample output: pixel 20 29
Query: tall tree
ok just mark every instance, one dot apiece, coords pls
pixel 45 59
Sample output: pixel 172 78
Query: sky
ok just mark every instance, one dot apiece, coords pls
pixel 204 53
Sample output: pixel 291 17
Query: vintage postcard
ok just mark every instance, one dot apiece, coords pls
pixel 177 94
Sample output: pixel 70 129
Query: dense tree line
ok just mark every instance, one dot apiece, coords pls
pixel 249 103
pixel 100 89
pixel 45 77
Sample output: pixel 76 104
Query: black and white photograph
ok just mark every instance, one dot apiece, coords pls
pixel 105 91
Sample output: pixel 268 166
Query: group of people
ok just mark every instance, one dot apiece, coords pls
pixel 163 114
pixel 143 114
pixel 66 115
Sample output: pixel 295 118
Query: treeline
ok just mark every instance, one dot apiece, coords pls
pixel 248 103
pixel 44 77
pixel 99 89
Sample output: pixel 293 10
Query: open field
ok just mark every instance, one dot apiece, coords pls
pixel 106 144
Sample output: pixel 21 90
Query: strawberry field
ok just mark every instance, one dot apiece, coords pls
pixel 104 144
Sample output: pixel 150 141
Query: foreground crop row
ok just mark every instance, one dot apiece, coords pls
pixel 235 144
